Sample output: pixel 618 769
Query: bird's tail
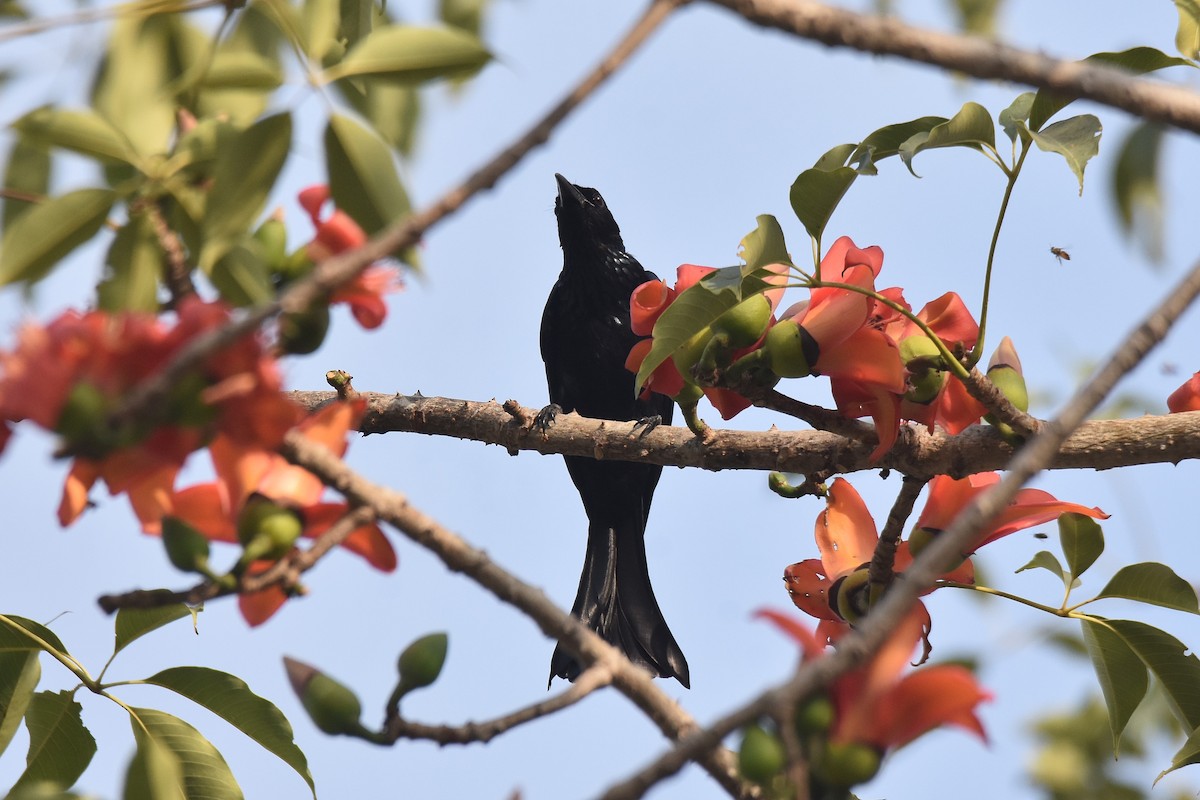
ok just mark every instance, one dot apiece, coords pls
pixel 616 601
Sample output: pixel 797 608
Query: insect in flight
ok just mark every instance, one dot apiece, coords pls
pixel 1060 254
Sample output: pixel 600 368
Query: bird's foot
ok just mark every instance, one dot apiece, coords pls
pixel 545 418
pixel 646 424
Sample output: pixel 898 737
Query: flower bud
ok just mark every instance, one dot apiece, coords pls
pixel 303 332
pixel 186 547
pixel 761 756
pixel 791 349
pixel 266 529
pixel 271 238
pixel 333 707
pixel 421 662
pixel 845 764
pixel 814 715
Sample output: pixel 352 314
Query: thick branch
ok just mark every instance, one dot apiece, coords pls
pixel 1173 105
pixel 1100 444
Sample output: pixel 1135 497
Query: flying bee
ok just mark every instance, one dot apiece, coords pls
pixel 1060 254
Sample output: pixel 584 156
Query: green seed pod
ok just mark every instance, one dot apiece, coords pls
pixel 333 707
pixel 814 715
pixel 791 349
pixel 271 237
pixel 745 323
pixel 266 529
pixel 421 662
pixel 186 547
pixel 761 756
pixel 845 764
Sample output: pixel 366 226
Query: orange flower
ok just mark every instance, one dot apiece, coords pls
pixel 214 508
pixel 1186 397
pixel 1030 507
pixel 337 233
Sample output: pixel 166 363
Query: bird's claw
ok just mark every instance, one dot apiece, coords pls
pixel 646 424
pixel 545 418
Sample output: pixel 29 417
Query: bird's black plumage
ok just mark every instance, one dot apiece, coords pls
pixel 585 340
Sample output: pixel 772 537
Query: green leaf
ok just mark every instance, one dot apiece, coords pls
pixel 243 70
pixel 135 264
pixel 392 110
pixel 763 246
pixel 231 699
pixel 319 21
pixel 1121 674
pixel 205 774
pixel 1076 139
pixel 1135 187
pixel 886 142
pixel 45 234
pixel 357 20
pixel 15 635
pixel 835 157
pixel 1170 662
pixel 362 176
pixel 412 55
pixel 1082 541
pixel 1136 60
pixel 1154 583
pixel 242 276
pixel 1187 755
pixel 465 14
pixel 1049 562
pixel 816 193
pixel 19 676
pixel 1187 35
pixel 133 623
pixel 60 748
pixel 131 90
pixel 971 127
pixel 243 176
pixel 27 173
pixel 81 131
pixel 1014 119
pixel 155 772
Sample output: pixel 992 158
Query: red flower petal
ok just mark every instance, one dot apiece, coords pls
pixel 808 586
pixel 845 530
pixel 1186 397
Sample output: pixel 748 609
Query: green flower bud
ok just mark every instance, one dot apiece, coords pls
pixel 845 764
pixel 295 265
pixel 791 349
pixel 814 715
pixel 271 237
pixel 761 756
pixel 421 662
pixel 303 332
pixel 186 547
pixel 744 324
pixel 333 707
pixel 266 529
pixel 921 538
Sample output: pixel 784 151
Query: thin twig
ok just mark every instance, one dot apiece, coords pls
pixel 883 561
pixel 870 634
pixel 970 55
pixel 589 681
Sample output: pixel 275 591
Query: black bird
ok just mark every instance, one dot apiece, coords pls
pixel 585 340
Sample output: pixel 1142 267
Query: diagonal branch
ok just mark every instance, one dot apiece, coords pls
pixel 1173 105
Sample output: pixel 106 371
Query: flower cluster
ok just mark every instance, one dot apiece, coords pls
pixel 878 356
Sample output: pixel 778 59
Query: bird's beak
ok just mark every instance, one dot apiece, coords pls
pixel 568 191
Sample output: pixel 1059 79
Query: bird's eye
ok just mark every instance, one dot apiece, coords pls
pixel 594 197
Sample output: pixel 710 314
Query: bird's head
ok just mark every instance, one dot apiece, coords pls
pixel 584 221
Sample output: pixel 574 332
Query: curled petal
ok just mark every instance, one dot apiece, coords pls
pixel 258 607
pixel 1186 397
pixel 665 379
pixel 80 480
pixel 833 314
pixel 951 320
pixel 206 508
pixel 844 255
pixel 808 586
pixel 367 541
pixel 810 644
pixel 870 400
pixel 845 531
pixel 726 401
pixel 646 305
pixel 927 699
pixel 955 408
pixel 365 293
pixel 687 275
pixel 1033 507
pixel 312 198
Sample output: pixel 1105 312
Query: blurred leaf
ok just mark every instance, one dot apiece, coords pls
pixel 155 772
pixel 1076 139
pixel 357 18
pixel 135 264
pixel 816 193
pixel 971 127
pixel 241 276
pixel 134 623
pixel 1047 561
pixel 319 20
pixel 248 56
pixel 243 176
pixel 362 176
pixel 231 699
pixel 1136 60
pixel 1135 187
pixel 46 233
pixel 16 640
pixel 203 770
pixel 977 17
pixel 131 87
pixel 1154 583
pixel 27 173
pixel 60 747
pixel 1187 35
pixel 1014 119
pixel 243 70
pixel 464 14
pixel 1120 672
pixel 886 141
pixel 19 676
pixel 411 55
pixel 391 109
pixel 81 131
pixel 1082 541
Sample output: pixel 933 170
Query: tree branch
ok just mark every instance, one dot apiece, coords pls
pixel 1099 444
pixel 1173 105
